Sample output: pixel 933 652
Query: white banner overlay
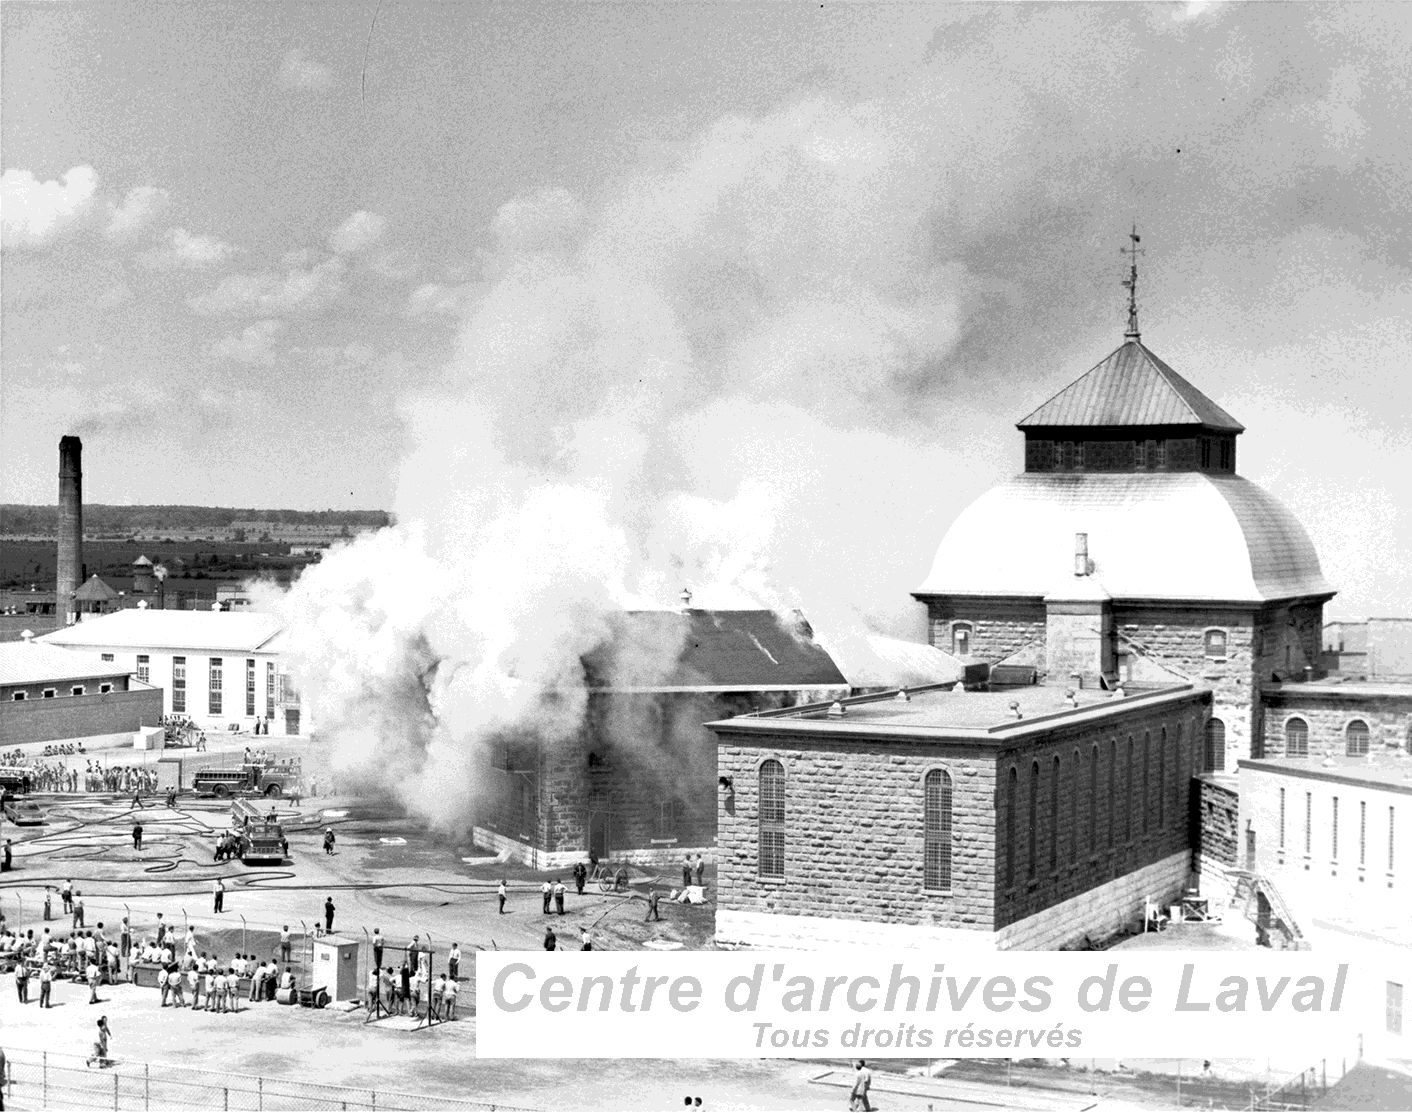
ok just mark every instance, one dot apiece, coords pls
pixel 757 1004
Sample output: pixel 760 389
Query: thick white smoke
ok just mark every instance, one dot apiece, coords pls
pixel 686 378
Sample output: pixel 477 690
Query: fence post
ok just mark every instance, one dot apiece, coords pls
pixel 374 1095
pixel 147 1084
pixel 225 1097
pixel 244 948
pixel 115 1092
pixel 44 1060
pixel 260 1089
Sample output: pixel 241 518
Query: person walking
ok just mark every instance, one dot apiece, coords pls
pixel 652 913
pixel 328 915
pixel 219 890
pixel 501 893
pixel 22 983
pixel 862 1083
pixel 559 891
pixel 91 976
pixel 99 1058
pixel 546 891
pixel 328 840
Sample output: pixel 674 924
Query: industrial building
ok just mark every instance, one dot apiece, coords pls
pixel 51 694
pixel 222 670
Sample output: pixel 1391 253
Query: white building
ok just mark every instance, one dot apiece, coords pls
pixel 218 668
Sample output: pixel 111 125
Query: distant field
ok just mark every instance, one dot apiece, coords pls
pixel 26 562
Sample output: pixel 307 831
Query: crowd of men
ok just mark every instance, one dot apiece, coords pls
pixel 55 776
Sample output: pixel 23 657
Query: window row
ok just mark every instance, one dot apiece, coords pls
pixel 51 693
pixel 937 834
pixel 1334 828
pixel 1214 641
pixel 1355 738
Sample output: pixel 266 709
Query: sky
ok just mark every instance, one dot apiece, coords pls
pixel 748 295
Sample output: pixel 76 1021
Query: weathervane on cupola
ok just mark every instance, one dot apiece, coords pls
pixel 1130 283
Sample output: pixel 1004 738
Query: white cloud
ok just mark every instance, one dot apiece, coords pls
pixel 36 212
pixel 252 345
pixel 436 299
pixel 299 71
pixel 362 229
pixel 139 208
pixel 271 293
pixel 185 249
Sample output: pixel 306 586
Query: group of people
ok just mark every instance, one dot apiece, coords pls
pixel 55 776
pixel 687 869
pixel 181 731
pixel 551 941
pixel 85 956
pixel 402 993
pixel 216 988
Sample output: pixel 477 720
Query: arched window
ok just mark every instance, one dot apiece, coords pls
pixel 772 819
pixel 1215 746
pixel 1131 801
pixel 1179 768
pixel 1216 643
pixel 1092 808
pixel 961 638
pixel 1054 817
pixel 1146 777
pixel 1011 816
pixel 1355 738
pixel 1075 846
pixel 936 828
pixel 1032 863
pixel 1112 791
pixel 1296 738
pixel 1162 781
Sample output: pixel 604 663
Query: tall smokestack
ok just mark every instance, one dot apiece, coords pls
pixel 70 576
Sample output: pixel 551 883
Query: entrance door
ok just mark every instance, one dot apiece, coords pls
pixel 598 835
pixel 1250 848
pixel 291 721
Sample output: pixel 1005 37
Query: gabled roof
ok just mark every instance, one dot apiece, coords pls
pixel 1131 387
pixel 710 651
pixel 36 663
pixel 231 631
pixel 95 590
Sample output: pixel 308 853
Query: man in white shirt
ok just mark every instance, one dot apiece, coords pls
pixel 450 1000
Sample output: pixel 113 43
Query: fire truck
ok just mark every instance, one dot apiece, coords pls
pixel 261 838
pixel 248 779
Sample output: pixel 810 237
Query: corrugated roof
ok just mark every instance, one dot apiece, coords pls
pixel 1163 535
pixel 36 663
pixel 1132 386
pixel 95 590
pixel 222 631
pixel 701 649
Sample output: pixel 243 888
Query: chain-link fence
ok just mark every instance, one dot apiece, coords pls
pixel 45 1080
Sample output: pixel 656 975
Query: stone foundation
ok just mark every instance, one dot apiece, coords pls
pixel 667 859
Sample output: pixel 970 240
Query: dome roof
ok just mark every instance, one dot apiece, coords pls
pixel 1166 535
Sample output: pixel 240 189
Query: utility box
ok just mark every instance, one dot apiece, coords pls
pixel 148 738
pixel 335 967
pixel 168 773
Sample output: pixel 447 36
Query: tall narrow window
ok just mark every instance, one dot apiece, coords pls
pixel 1362 832
pixel 1333 832
pixel 1162 782
pixel 1012 815
pixel 1112 792
pixel 1296 738
pixel 1128 798
pixel 772 819
pixel 1054 817
pixel 269 689
pixel 1075 846
pixel 1356 738
pixel 1308 822
pixel 936 826
pixel 144 667
pixel 1394 1008
pixel 250 687
pixel 1032 862
pixel 1092 808
pixel 179 685
pixel 1146 776
pixel 1391 838
pixel 1216 644
pixel 961 639
pixel 1179 775
pixel 1215 746
pixel 214 688
pixel 1282 819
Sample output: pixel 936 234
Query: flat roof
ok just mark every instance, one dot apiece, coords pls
pixel 941 710
pixel 36 663
pixel 230 631
pixel 1350 689
pixel 1384 771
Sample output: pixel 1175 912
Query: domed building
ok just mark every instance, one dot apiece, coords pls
pixel 1129 552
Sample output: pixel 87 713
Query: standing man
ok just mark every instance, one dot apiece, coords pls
pixel 453 960
pixel 686 872
pixel 137 836
pixel 374 994
pixel 449 1001
pixel 78 909
pixel 580 876
pixel 546 891
pixel 551 941
pixel 125 939
pixel 284 944
pixel 652 898
pixel 219 890
pixel 559 891
pixel 587 940
pixel 46 984
pixel 6 866
pixel 501 893
pixel 161 930
pixel 91 976
pixel 328 915
pixel 701 869
pixel 377 949
pixel 414 950
pixel 66 894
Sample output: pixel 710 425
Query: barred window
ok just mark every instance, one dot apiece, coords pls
pixel 179 684
pixel 1333 832
pixel 1054 817
pixel 1282 819
pixel 1215 746
pixel 250 687
pixel 1092 808
pixel 1394 1008
pixel 1130 799
pixel 1012 792
pixel 772 818
pixel 144 667
pixel 1162 781
pixel 1146 778
pixel 1032 862
pixel 669 818
pixel 1215 643
pixel 1355 737
pixel 961 639
pixel 936 826
pixel 1075 846
pixel 1296 738
pixel 269 689
pixel 214 689
pixel 1363 832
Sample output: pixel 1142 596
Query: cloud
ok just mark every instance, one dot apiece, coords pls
pixel 184 249
pixel 252 345
pixel 35 212
pixel 137 211
pixel 274 293
pixel 362 229
pixel 435 299
pixel 299 71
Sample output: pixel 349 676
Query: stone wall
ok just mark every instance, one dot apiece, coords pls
pixel 1001 629
pixel 1327 715
pixel 1216 823
pixel 68 717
